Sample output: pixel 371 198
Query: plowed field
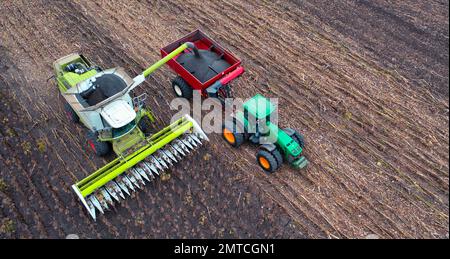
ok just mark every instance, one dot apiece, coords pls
pixel 366 82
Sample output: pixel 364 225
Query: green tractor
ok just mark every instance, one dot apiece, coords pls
pixel 101 101
pixel 254 124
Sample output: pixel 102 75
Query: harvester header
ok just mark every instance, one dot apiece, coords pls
pixel 122 176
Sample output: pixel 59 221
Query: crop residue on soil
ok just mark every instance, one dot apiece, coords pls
pixel 365 82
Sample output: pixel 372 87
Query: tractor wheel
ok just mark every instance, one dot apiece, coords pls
pixel 232 137
pixel 296 136
pixel 98 147
pixel 181 88
pixel 145 125
pixel 71 115
pixel 267 161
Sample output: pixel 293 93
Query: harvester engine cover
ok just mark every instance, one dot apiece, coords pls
pixel 125 175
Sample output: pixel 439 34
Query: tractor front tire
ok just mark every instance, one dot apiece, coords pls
pixel 296 136
pixel 98 147
pixel 232 137
pixel 71 115
pixel 267 161
pixel 181 88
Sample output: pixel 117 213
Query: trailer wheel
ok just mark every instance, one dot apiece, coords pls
pixel 98 147
pixel 71 115
pixel 232 137
pixel 296 136
pixel 267 161
pixel 181 88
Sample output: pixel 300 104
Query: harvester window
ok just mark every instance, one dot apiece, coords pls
pixel 123 130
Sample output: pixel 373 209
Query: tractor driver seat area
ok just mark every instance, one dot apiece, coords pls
pixel 102 88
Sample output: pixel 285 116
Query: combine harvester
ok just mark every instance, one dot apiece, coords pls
pixel 254 124
pixel 101 101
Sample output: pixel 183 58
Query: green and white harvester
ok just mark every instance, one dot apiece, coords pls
pixel 256 123
pixel 101 101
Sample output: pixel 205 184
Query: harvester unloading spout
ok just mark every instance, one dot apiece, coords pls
pixel 141 78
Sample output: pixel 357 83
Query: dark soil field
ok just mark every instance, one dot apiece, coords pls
pixel 366 82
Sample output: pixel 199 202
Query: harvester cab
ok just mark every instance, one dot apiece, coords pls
pixel 257 123
pixel 101 101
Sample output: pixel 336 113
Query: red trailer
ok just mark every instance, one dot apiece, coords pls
pixel 207 67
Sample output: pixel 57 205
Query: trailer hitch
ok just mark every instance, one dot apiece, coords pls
pixel 214 88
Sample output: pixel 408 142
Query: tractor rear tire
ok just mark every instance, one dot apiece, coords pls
pixel 267 161
pixel 232 137
pixel 100 148
pixel 296 136
pixel 71 115
pixel 181 88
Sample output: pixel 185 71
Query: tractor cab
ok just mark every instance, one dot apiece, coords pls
pixel 258 107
